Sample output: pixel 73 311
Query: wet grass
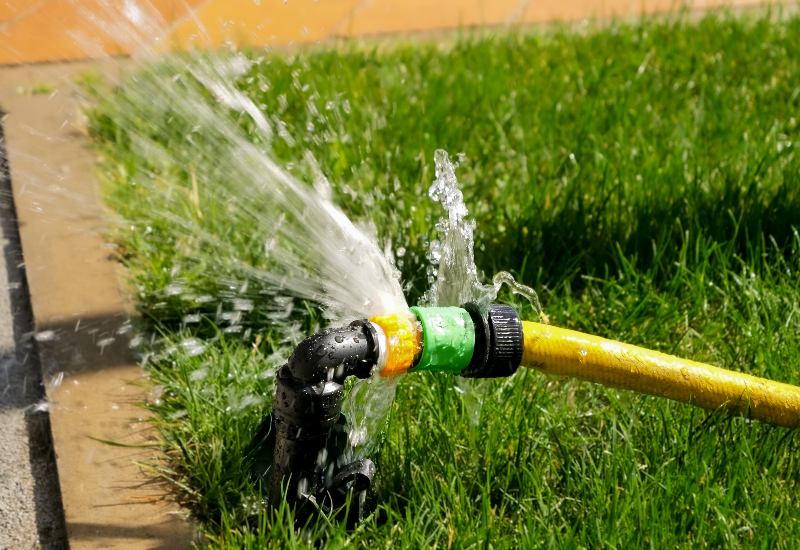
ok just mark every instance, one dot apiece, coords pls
pixel 645 179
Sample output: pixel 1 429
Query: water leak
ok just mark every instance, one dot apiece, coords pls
pixel 302 244
pixel 298 244
pixel 453 275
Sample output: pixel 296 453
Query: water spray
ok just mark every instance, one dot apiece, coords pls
pixel 297 452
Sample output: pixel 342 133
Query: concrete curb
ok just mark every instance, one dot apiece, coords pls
pixel 81 317
pixel 31 513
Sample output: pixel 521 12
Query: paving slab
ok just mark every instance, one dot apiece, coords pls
pixel 81 318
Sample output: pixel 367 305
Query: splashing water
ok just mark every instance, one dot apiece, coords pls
pixel 299 242
pixel 300 245
pixel 454 280
pixel 453 275
pixel 309 248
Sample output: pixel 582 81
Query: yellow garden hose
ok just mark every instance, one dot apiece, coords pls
pixel 476 341
pixel 565 352
pixel 492 342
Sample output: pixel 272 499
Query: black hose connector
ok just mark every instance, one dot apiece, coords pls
pixel 306 425
pixel 498 341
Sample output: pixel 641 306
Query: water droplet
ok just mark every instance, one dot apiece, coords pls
pixel 45 336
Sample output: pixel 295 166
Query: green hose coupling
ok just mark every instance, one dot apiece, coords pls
pixel 471 341
pixel 448 339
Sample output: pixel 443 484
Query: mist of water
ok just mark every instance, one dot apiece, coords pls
pixel 300 245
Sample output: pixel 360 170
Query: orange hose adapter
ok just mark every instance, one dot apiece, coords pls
pixel 403 341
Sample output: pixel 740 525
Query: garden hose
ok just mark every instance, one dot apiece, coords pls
pixel 296 455
pixel 491 342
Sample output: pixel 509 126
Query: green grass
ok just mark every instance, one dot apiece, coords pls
pixel 645 179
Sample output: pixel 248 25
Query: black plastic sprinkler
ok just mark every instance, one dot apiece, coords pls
pixel 296 453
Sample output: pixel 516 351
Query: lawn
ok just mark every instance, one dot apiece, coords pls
pixel 643 178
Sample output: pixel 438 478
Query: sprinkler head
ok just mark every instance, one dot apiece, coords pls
pixel 295 454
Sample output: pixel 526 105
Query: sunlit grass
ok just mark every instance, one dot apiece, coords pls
pixel 645 179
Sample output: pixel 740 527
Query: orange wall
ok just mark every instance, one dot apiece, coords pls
pixel 57 30
pixel 52 30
